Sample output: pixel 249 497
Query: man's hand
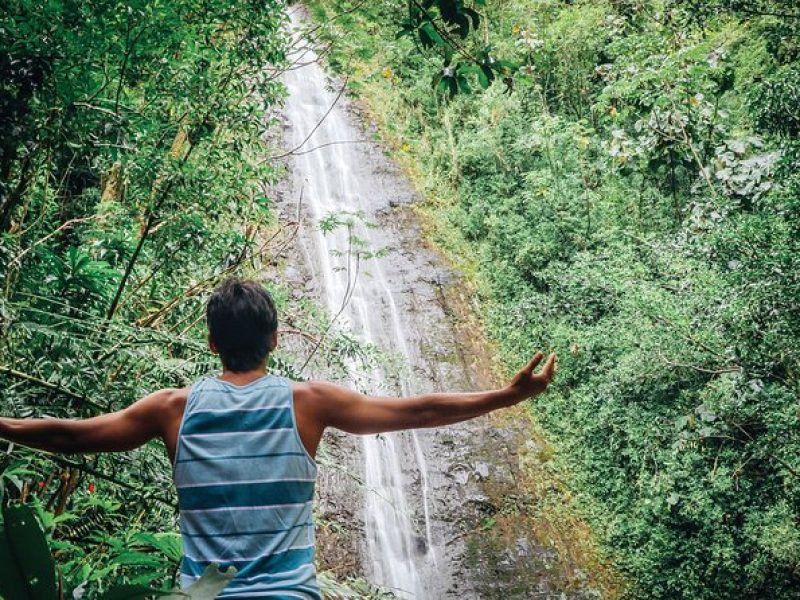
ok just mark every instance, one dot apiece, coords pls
pixel 527 383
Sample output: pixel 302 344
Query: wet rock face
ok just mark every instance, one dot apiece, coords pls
pixel 338 509
pixel 463 498
pixel 497 553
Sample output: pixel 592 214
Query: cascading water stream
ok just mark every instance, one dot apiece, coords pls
pixel 325 166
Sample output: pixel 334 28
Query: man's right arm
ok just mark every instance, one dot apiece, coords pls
pixel 350 411
pixel 113 432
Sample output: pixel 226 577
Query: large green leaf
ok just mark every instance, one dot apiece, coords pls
pixel 27 569
pixel 168 543
pixel 11 584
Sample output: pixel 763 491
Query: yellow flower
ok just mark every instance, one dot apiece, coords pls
pixel 515 29
pixel 387 73
pixel 406 147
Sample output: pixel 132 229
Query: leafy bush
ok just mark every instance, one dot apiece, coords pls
pixel 633 204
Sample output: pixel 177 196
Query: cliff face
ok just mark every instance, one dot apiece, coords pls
pixel 429 514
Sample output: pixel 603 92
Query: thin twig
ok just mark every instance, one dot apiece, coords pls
pixel 299 332
pixel 688 336
pixel 65 462
pixel 62 227
pixel 777 459
pixel 50 386
pixel 314 129
pixel 352 277
pixel 734 369
pixel 315 148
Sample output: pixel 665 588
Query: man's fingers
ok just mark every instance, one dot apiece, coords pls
pixel 549 368
pixel 537 358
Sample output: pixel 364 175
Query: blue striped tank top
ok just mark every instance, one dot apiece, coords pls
pixel 245 489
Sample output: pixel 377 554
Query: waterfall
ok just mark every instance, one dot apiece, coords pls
pixel 328 166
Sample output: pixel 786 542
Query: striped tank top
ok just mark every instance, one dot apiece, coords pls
pixel 245 489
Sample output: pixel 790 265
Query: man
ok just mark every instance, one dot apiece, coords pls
pixel 243 445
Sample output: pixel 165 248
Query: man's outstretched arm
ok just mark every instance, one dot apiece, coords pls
pixel 118 431
pixel 358 413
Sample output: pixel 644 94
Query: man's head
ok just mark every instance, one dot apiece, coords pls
pixel 242 324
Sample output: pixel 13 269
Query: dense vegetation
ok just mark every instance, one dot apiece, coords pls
pixel 626 191
pixel 133 177
pixel 632 199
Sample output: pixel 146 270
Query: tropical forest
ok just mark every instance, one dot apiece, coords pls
pixel 431 191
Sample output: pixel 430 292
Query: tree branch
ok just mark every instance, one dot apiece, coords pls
pixel 5 370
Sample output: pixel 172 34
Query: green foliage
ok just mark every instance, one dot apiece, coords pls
pixel 29 571
pixel 210 584
pixel 634 205
pixel 775 102
pixel 351 590
pixel 445 27
pixel 132 180
pixel 26 568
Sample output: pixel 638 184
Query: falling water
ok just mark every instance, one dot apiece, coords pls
pixel 328 166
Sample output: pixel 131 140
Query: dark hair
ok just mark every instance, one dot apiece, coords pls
pixel 241 319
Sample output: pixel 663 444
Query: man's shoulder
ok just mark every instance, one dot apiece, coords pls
pixel 314 389
pixel 323 397
pixel 170 400
pixel 172 394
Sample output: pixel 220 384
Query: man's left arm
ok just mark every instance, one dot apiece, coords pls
pixel 123 430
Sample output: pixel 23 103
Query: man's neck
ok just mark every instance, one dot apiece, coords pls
pixel 243 377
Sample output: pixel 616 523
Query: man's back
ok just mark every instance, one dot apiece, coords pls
pixel 242 444
pixel 245 489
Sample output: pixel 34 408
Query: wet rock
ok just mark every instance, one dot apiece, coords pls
pixel 482 470
pixel 461 477
pixel 523 547
pixel 482 503
pixel 420 545
pixel 545 554
pixel 291 273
